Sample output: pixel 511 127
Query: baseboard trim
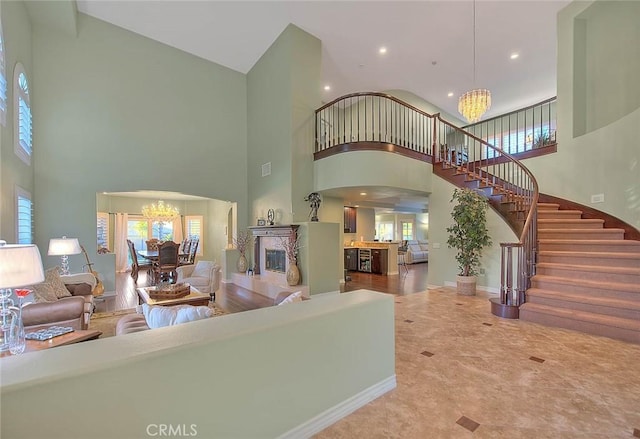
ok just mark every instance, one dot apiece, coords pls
pixel 339 411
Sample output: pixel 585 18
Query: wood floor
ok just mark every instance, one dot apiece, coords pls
pixel 234 299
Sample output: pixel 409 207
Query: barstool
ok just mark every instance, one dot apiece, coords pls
pixel 402 261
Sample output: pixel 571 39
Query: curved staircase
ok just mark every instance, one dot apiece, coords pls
pixel 587 277
pixel 572 266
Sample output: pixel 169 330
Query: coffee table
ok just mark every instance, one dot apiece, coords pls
pixel 70 338
pixel 195 298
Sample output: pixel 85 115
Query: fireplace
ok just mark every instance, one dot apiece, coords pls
pixel 275 260
pixel 270 258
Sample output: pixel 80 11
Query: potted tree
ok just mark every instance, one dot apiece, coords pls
pixel 468 235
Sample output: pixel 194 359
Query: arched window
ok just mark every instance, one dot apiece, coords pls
pixel 3 81
pixel 22 110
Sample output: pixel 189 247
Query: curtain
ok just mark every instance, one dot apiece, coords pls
pixel 120 244
pixel 178 236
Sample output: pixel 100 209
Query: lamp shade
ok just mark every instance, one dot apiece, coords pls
pixel 20 265
pixel 64 246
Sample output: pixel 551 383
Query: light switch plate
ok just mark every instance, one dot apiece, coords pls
pixel 597 198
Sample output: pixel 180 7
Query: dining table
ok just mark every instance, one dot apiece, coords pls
pixel 152 255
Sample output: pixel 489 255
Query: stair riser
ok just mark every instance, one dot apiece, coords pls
pixel 589 275
pixel 570 225
pixel 576 325
pixel 600 261
pixel 587 307
pixel 589 246
pixel 582 235
pixel 558 214
pixel 580 289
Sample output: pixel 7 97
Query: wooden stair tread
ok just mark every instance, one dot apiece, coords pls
pixel 550 206
pixel 601 319
pixel 576 297
pixel 615 286
pixel 591 255
pixel 562 212
pixel 618 242
pixel 569 221
pixel 590 268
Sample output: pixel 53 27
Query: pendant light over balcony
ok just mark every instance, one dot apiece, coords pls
pixel 473 104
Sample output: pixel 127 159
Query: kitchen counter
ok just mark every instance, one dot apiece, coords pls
pixel 390 258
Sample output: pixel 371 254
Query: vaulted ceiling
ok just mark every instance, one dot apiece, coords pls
pixel 429 44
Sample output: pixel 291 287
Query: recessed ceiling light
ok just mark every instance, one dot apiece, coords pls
pixel 327 87
pixel 515 55
pixel 382 50
pixel 450 94
pixel 363 193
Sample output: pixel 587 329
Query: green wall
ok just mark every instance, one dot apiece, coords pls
pixel 119 112
pixel 16 28
pixel 283 90
pixel 605 160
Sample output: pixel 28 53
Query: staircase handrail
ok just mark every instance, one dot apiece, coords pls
pixel 373 93
pixel 509 157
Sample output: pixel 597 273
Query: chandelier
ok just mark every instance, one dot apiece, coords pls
pixel 160 212
pixel 473 104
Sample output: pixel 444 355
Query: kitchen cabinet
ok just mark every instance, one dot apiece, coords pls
pixel 350 219
pixel 379 261
pixel 351 259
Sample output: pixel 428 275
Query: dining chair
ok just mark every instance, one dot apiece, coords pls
pixel 167 263
pixel 137 263
pixel 152 244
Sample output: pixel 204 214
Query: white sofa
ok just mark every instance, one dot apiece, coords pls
pixel 417 251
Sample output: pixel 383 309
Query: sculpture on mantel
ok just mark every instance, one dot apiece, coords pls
pixel 314 202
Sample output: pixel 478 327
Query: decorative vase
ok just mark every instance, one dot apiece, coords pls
pixel 17 341
pixel 242 264
pixel 466 285
pixel 293 274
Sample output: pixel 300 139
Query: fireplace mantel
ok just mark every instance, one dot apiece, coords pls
pixel 279 230
pixel 269 231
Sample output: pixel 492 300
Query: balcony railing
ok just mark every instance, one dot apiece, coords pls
pixel 373 118
pixel 523 130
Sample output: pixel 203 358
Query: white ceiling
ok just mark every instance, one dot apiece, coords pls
pixel 429 43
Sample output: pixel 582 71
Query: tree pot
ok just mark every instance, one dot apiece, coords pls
pixel 466 285
pixel 293 274
pixel 242 264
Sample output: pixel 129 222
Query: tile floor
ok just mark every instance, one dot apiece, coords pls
pixel 463 372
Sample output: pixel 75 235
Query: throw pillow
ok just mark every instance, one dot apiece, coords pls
pixel 52 276
pixel 43 292
pixel 159 316
pixel 291 298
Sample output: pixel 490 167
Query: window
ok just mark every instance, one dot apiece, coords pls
pixel 384 231
pixel 193 229
pixel 103 232
pixel 23 119
pixel 3 81
pixel 407 231
pixel 24 217
pixel 140 229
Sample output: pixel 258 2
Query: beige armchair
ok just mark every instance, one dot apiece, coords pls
pixel 203 276
pixel 74 311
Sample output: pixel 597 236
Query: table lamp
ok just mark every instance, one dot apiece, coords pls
pixel 20 265
pixel 64 247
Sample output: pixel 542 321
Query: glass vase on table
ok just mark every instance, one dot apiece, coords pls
pixel 17 340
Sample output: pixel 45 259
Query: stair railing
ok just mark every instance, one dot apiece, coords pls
pixel 379 118
pixel 501 175
pixel 374 118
